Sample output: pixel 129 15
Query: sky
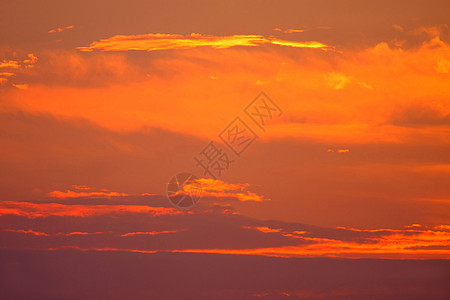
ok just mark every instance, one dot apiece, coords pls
pixel 331 122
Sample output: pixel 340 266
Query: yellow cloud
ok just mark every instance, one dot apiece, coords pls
pixel 443 66
pixel 159 41
pixel 222 189
pixel 9 64
pixel 337 81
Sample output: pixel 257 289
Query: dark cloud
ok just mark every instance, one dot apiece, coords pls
pixel 420 115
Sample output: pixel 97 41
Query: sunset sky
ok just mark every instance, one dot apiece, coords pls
pixel 103 102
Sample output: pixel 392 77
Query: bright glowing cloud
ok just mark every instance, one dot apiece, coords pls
pixel 152 232
pixel 264 229
pixel 159 41
pixel 72 194
pixel 222 189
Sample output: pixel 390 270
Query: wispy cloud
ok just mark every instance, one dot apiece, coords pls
pixel 159 41
pixel 151 232
pixel 40 233
pixel 59 29
pixel 264 229
pixel 72 194
pixel 35 210
pixel 390 244
pixel 289 30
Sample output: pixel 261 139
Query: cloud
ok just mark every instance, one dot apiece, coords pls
pixel 72 194
pixel 420 115
pixel 6 74
pixel 443 66
pixel 101 78
pixel 40 233
pixel 221 189
pixel 339 150
pixel 9 64
pixel 398 27
pixel 131 227
pixel 35 210
pixel 16 64
pixel 264 229
pixel 61 29
pixel 210 184
pixel 365 85
pixel 152 232
pixel 81 187
pixel 159 41
pixel 75 88
pixel 20 86
pixel 337 81
pixel 404 244
pixel 16 67
pixel 289 30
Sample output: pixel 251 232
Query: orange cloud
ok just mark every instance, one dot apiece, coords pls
pixel 443 66
pixel 72 194
pixel 101 249
pixel 159 41
pixel 392 244
pixel 16 64
pixel 398 27
pixel 39 233
pixel 29 231
pixel 335 249
pixel 264 229
pixel 9 64
pixel 442 227
pixel 7 74
pixel 337 81
pixel 18 67
pixel 289 30
pixel 334 93
pixel 20 86
pixel 36 210
pixel 339 150
pixel 313 44
pixel 408 244
pixel 152 232
pixel 222 189
pixel 220 185
pixel 61 29
pixel 81 187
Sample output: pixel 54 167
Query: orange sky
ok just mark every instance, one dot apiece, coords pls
pixel 98 113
